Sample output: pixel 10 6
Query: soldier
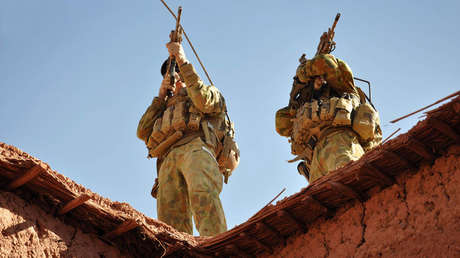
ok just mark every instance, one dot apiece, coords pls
pixel 187 129
pixel 328 120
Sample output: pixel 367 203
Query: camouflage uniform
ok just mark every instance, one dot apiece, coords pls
pixel 334 151
pixel 189 178
pixel 190 184
pixel 334 144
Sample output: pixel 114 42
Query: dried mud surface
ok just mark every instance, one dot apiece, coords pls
pixel 42 197
pixel 27 231
pixel 417 217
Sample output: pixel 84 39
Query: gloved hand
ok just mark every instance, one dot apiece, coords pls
pixel 175 49
pixel 164 87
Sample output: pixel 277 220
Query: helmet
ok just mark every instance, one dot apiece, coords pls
pixel 164 67
pixel 301 74
pixel 335 71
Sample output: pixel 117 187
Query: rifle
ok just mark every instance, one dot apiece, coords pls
pixel 326 43
pixel 189 42
pixel 175 36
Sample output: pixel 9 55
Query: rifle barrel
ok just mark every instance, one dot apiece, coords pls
pixel 174 38
pixel 337 17
pixel 179 13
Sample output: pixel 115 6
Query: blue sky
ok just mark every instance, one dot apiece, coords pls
pixel 76 76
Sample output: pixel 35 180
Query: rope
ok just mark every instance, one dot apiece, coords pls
pixel 189 42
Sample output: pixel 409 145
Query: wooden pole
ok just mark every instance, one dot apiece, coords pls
pixel 437 102
pixel 26 177
pixel 444 128
pixel 386 139
pixel 345 190
pixel 126 226
pixel 74 204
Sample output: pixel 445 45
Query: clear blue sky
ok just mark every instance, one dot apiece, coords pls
pixel 76 76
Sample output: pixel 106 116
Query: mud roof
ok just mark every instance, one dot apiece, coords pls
pixel 138 235
pixel 115 223
pixel 271 226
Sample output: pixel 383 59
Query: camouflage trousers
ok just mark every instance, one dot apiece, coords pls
pixel 334 151
pixel 189 184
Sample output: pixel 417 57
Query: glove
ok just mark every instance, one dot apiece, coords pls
pixel 164 87
pixel 175 49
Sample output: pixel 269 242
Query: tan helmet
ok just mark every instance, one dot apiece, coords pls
pixel 335 71
pixel 300 72
pixel 310 68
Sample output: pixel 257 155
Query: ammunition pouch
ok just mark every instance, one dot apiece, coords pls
pixel 366 121
pixel 314 116
pixel 303 170
pixel 178 121
pixel 229 156
pixel 155 187
pixel 283 122
pixel 181 122
pixel 344 107
pixel 318 117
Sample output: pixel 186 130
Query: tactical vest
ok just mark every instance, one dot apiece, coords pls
pixel 317 118
pixel 181 122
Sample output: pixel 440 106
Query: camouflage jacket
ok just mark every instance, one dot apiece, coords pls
pixel 207 99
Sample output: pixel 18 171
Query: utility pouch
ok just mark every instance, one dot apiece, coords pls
pixel 155 187
pixel 297 129
pixel 229 157
pixel 194 121
pixel 366 121
pixel 178 120
pixel 166 123
pixel 297 148
pixel 151 143
pixel 207 133
pixel 219 128
pixel 161 148
pixel 343 116
pixel 306 115
pixel 303 170
pixel 307 154
pixel 314 111
pixel 312 142
pixel 157 135
pixel 332 105
pixel 324 111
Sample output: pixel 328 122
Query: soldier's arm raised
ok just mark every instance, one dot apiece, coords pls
pixel 206 98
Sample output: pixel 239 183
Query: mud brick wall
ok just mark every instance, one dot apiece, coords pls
pixel 417 217
pixel 27 231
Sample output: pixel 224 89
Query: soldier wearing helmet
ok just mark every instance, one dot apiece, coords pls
pixel 187 129
pixel 328 120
